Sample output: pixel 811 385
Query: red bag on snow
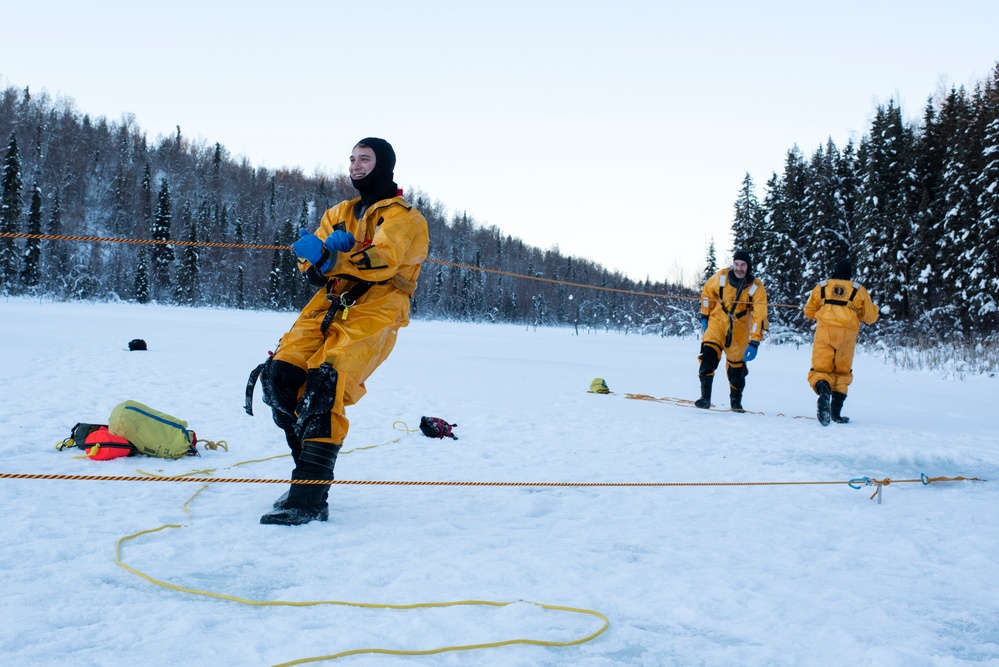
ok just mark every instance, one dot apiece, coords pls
pixel 98 442
pixel 101 445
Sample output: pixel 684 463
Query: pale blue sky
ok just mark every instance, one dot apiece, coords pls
pixel 618 130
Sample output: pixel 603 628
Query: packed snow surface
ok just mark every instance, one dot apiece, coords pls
pixel 715 574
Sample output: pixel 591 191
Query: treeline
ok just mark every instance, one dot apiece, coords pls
pixel 67 174
pixel 915 207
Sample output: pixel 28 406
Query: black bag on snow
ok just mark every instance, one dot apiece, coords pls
pixel 433 427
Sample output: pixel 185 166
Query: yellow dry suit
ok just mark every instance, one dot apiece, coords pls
pixel 351 323
pixel 737 314
pixel 838 307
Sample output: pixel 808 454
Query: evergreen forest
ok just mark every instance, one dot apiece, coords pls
pixel 914 205
pixel 66 174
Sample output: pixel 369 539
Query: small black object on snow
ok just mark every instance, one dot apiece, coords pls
pixel 136 344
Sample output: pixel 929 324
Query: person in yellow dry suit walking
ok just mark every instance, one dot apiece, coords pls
pixel 838 306
pixel 365 257
pixel 733 319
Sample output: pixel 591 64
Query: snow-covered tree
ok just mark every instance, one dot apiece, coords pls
pixel 162 253
pixel 883 218
pixel 187 289
pixel 31 267
pixel 782 262
pixel 982 256
pixel 710 262
pixel 140 290
pixel 747 224
pixel 828 237
pixel 11 186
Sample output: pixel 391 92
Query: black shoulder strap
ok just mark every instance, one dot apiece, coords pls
pixel 343 302
pixel 838 302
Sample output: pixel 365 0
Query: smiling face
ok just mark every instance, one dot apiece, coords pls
pixel 362 162
pixel 740 268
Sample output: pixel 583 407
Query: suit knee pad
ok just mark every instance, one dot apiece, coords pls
pixel 737 376
pixel 280 382
pixel 317 403
pixel 709 360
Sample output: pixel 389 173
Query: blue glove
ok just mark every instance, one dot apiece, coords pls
pixel 704 323
pixel 308 246
pixel 751 351
pixel 340 241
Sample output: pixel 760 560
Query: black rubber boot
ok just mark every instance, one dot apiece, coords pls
pixel 825 397
pixel 307 502
pixel 837 408
pixel 736 384
pixel 705 400
pixel 296 451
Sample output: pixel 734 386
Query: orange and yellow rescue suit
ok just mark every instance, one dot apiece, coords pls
pixel 838 307
pixel 351 323
pixel 737 314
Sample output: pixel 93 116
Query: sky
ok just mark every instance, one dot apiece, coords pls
pixel 751 575
pixel 618 131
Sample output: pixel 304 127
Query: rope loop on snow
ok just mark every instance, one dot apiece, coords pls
pixel 604 621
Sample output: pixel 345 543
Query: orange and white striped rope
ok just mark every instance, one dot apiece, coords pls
pixel 373 482
pixel 254 246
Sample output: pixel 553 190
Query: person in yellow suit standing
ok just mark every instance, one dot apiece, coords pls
pixel 838 306
pixel 733 320
pixel 365 258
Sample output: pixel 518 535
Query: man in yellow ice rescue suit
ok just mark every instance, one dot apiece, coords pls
pixel 366 258
pixel 838 306
pixel 733 319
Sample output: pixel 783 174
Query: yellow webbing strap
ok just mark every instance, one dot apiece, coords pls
pixel 605 622
pixel 687 403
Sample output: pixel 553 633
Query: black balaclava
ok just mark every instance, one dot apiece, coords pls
pixel 744 256
pixel 843 270
pixel 378 184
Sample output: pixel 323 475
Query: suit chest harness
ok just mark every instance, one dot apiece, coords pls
pixel 839 293
pixel 732 315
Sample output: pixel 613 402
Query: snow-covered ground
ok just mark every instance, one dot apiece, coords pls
pixel 686 575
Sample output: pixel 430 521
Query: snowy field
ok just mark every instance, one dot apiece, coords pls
pixel 686 575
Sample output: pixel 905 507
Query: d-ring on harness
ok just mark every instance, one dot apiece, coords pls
pixel 343 301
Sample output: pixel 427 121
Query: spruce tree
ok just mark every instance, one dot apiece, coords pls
pixel 885 211
pixel 300 290
pixel 163 255
pixel 925 288
pixel 146 198
pixel 982 260
pixel 31 268
pixel 240 288
pixel 10 213
pixel 292 284
pixel 437 292
pixel 141 289
pixel 960 206
pixel 478 290
pixel 747 225
pixel 781 267
pixel 711 263
pixel 56 259
pixel 187 273
pixel 275 296
pixel 829 237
